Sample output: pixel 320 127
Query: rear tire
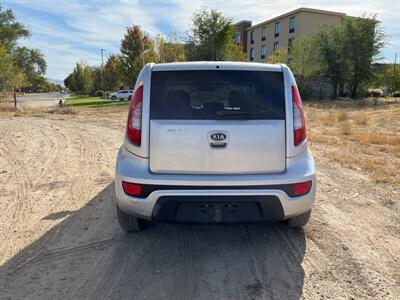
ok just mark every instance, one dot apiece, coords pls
pixel 128 222
pixel 300 220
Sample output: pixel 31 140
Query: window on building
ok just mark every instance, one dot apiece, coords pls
pixel 276 29
pixel 263 33
pixel 290 44
pixel 292 24
pixel 276 46
pixel 263 51
pixel 237 38
pixel 252 37
pixel 251 54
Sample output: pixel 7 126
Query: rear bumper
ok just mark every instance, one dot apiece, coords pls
pixel 218 209
pixel 211 198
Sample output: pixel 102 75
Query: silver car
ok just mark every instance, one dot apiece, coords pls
pixel 215 142
pixel 122 94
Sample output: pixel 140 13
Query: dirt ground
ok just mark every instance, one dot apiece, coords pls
pixel 59 237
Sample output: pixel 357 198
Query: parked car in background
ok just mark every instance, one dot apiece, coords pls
pixel 122 95
pixel 215 142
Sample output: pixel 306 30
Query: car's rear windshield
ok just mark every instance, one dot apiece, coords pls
pixel 219 94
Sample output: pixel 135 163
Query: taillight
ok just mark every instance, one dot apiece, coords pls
pixel 299 125
pixel 132 189
pixel 134 127
pixel 302 188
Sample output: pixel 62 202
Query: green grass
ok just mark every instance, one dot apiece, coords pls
pixel 93 102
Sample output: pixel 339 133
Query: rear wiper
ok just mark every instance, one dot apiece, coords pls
pixel 223 113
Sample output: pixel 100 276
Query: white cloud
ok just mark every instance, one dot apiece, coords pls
pixel 71 31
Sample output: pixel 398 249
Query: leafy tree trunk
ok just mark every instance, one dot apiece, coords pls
pixel 334 90
pixel 354 91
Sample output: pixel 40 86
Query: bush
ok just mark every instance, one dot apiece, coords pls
pixel 99 93
pixel 375 93
pixel 107 94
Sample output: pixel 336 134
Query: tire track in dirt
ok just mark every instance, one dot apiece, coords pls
pixel 125 264
pixel 81 184
pixel 346 226
pixel 29 181
pixel 280 274
pixel 263 279
pixel 52 139
pixel 23 185
pixel 61 139
pixel 62 253
pixel 75 182
pixel 189 273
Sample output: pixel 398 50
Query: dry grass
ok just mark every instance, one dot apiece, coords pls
pixel 377 138
pixel 364 135
pixel 7 107
pixel 360 119
pixel 345 128
pixel 342 116
pixel 37 111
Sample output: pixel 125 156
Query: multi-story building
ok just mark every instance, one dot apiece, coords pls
pixel 264 38
pixel 241 34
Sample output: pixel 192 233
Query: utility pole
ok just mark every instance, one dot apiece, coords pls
pixel 15 99
pixel 102 67
pixel 102 59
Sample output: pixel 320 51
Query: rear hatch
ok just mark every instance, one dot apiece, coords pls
pixel 217 122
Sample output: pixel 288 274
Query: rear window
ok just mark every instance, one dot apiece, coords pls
pixel 211 95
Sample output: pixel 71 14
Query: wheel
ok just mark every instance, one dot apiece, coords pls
pixel 128 222
pixel 300 220
pixel 113 98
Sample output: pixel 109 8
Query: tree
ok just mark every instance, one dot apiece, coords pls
pixel 80 81
pixel 304 62
pixel 329 42
pixel 136 50
pixel 69 82
pixel 29 65
pixel 32 64
pixel 112 79
pixel 279 56
pixel 234 53
pixel 170 49
pixel 210 36
pixel 347 51
pixel 9 77
pixel 10 30
pixel 97 78
pixel 389 78
pixel 363 40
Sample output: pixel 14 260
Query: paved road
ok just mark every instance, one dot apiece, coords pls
pixel 41 99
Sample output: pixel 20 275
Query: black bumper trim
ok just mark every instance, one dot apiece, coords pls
pixel 218 209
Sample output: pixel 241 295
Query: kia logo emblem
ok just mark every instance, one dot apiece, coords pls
pixel 218 136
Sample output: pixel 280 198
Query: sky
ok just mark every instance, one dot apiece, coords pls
pixel 70 31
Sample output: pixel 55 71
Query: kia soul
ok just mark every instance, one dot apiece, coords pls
pixel 215 142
